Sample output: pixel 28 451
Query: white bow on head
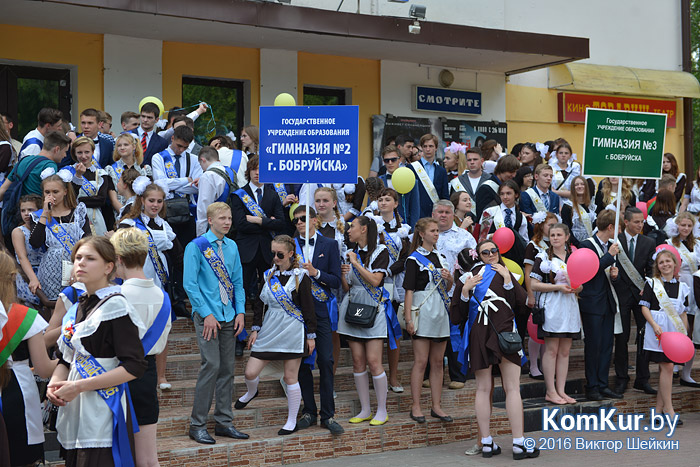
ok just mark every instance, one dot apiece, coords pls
pixel 140 184
pixel 65 174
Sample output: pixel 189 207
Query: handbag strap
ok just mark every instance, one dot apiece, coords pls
pixel 483 309
pixel 428 295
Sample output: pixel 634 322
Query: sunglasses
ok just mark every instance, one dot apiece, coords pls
pixel 279 254
pixel 390 159
pixel 492 251
pixel 296 220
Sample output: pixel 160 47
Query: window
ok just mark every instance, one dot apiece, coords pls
pixel 226 100
pixel 324 96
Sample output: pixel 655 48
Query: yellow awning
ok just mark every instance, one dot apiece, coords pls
pixel 623 80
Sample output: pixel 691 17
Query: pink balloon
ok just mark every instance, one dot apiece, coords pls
pixel 582 266
pixel 504 239
pixel 642 206
pixel 672 249
pixel 532 331
pixel 677 346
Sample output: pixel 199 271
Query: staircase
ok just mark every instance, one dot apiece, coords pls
pixel 267 413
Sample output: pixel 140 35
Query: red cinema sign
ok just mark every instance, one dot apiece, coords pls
pixel 572 107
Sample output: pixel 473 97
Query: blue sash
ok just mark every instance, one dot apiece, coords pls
pixel 169 166
pixel 153 254
pixel 281 191
pixel 216 263
pixel 72 294
pixel 227 170
pixel 59 232
pixel 478 295
pixel 88 367
pixel 236 159
pixel 88 188
pixel 379 295
pixel 156 330
pixel 391 246
pixel 31 141
pixel 320 294
pixel 250 204
pixel 118 168
pixel 436 278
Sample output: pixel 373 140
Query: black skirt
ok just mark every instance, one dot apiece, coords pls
pixel 21 453
pixel 144 394
pixel 659 357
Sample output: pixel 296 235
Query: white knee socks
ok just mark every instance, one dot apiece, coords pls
pixel 293 401
pixel 685 376
pixel 252 386
pixel 362 385
pixel 381 389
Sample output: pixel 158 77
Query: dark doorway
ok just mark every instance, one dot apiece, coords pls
pixel 324 96
pixel 227 100
pixel 25 90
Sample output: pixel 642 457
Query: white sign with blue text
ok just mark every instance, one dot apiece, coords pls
pixel 443 100
pixel 302 144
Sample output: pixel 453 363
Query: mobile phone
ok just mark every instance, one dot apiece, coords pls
pixel 50 206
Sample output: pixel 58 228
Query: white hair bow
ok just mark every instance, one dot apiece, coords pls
pixel 542 148
pixel 539 217
pixel 140 184
pixel 65 174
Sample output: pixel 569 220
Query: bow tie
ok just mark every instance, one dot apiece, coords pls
pixel 302 242
pixel 388 176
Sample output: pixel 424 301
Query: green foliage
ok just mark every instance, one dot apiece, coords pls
pixel 33 95
pixel 224 103
pixel 314 99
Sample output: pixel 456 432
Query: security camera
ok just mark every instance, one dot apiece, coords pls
pixel 417 11
pixel 414 28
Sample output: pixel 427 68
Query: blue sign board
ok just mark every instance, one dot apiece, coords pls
pixel 309 144
pixel 444 100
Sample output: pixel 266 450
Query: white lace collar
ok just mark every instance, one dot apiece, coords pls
pixel 109 290
pixel 670 281
pixel 129 201
pixel 425 252
pixel 331 224
pixel 157 219
pixel 289 272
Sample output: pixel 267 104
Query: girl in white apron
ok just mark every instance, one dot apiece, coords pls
pixel 664 303
pixel 284 327
pixel 93 186
pixel 578 213
pixel 683 239
pixel 562 321
pixel 428 282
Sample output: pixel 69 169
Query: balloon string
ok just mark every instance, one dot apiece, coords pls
pixel 211 124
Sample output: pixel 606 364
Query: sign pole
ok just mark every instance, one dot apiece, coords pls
pixel 617 210
pixel 306 235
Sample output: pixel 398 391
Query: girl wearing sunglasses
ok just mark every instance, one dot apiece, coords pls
pixel 482 301
pixel 284 326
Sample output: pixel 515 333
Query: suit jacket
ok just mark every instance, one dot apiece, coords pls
pixel 643 263
pixel 409 204
pixel 251 237
pixel 528 206
pixel 465 181
pixel 327 261
pixel 596 297
pixel 485 197
pixel 440 183
pixel 155 145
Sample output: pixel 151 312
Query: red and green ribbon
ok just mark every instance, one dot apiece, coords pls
pixel 19 320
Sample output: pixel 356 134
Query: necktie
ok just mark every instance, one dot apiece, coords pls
pixel 302 242
pixel 177 164
pixel 545 198
pixel 222 291
pixel 144 142
pixel 259 194
pixel 631 249
pixel 508 219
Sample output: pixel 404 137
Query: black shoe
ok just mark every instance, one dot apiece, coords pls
pixel 525 454
pixel 239 348
pixel 646 387
pixel 306 421
pixel 538 377
pixel 284 432
pixel 445 418
pixel 689 384
pixel 492 452
pixel 610 394
pixel 620 388
pixel 420 419
pixel 201 436
pixel 230 432
pixel 332 426
pixel 593 395
pixel 239 405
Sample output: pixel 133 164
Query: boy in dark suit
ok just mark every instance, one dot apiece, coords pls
pixel 635 264
pixel 409 203
pixel 540 197
pixel 324 270
pixel 104 143
pixel 431 177
pixel 150 142
pixel 257 215
pixel 598 306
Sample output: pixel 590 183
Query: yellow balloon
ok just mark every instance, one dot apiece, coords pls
pixel 154 100
pixel 285 99
pixel 292 208
pixel 515 269
pixel 403 180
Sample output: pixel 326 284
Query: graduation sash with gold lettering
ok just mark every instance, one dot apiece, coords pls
pixel 217 264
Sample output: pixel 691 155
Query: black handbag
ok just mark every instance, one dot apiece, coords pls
pixel 177 211
pixel 538 315
pixel 509 342
pixel 360 315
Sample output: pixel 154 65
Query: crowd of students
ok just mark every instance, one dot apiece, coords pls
pixel 172 221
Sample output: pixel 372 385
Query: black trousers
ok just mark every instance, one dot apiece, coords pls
pixel 627 309
pixel 253 272
pixel 324 363
pixel 598 345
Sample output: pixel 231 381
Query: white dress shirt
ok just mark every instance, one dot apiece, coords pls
pixel 211 187
pixel 149 135
pixel 180 185
pixel 225 156
pixel 522 231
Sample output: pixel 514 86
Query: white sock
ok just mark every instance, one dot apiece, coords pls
pixel 485 441
pixel 293 401
pixel 252 386
pixel 533 349
pixel 381 389
pixel 362 385
pixel 519 441
pixel 686 370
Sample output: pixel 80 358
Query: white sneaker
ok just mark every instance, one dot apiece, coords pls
pixel 473 451
pixel 397 389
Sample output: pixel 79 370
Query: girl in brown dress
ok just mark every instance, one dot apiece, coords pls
pixel 484 294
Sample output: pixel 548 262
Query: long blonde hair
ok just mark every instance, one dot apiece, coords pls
pixel 339 221
pixel 606 189
pixel 690 239
pixel 138 150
